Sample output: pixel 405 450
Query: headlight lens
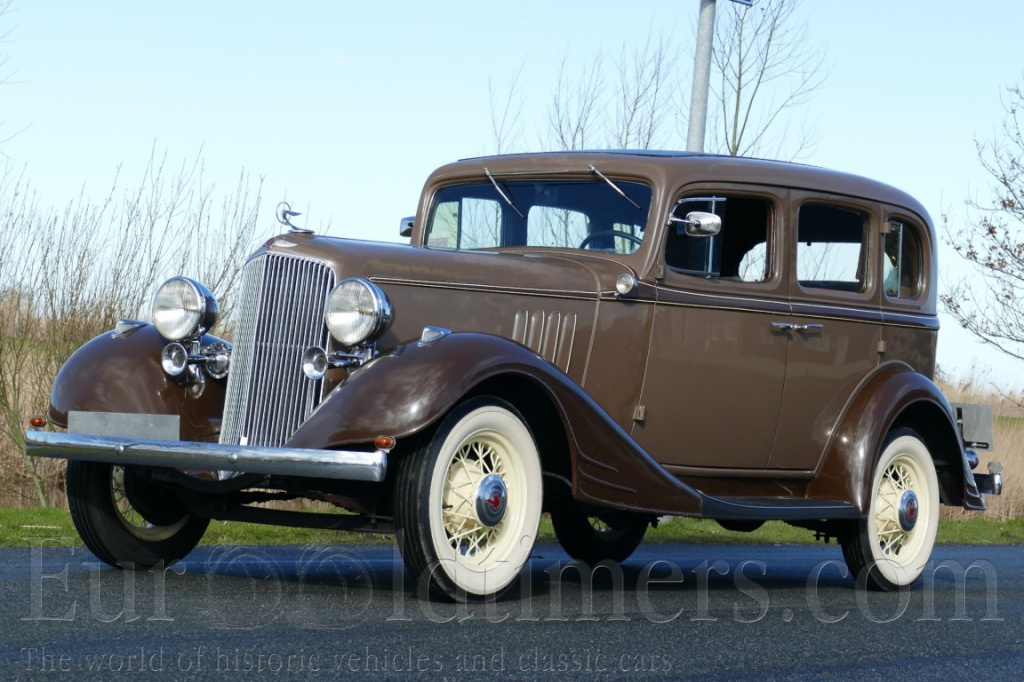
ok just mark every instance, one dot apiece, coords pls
pixel 357 311
pixel 183 308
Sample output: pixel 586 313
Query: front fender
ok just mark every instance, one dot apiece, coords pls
pixel 122 373
pixel 403 392
pixel 895 396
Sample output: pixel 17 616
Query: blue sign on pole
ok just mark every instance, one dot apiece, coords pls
pixel 748 3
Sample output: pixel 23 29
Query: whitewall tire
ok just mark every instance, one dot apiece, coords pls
pixel 468 501
pixel 892 545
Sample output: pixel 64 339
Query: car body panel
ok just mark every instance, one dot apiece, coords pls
pixel 686 394
pixel 122 373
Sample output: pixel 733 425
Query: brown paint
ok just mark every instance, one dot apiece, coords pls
pixel 123 374
pixel 679 390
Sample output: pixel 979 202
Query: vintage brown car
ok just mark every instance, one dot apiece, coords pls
pixel 610 337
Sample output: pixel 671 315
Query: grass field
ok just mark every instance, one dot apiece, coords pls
pixel 29 527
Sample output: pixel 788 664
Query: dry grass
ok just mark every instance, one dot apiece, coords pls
pixel 1008 415
pixel 68 273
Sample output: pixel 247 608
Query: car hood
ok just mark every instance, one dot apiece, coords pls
pixel 549 271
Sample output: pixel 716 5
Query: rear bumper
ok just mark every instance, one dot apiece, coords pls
pixel 337 464
pixel 990 483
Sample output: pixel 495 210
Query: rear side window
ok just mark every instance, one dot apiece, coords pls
pixel 831 249
pixel 904 260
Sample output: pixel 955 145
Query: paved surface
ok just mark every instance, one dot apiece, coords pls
pixel 674 612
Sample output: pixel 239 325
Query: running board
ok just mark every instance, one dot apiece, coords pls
pixel 776 509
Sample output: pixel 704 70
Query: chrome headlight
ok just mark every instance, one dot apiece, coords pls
pixel 357 311
pixel 183 308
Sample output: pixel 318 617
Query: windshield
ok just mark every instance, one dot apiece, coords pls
pixel 576 214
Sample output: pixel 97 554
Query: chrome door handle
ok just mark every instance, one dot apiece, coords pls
pixel 791 327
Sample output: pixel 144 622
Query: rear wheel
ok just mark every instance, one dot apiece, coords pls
pixel 591 536
pixel 126 521
pixel 468 501
pixel 889 548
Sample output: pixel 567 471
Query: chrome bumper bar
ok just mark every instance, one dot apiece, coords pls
pixel 341 464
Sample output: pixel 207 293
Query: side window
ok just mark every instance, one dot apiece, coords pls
pixel 738 252
pixel 904 261
pixel 830 253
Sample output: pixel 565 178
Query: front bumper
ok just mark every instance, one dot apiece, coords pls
pixel 338 464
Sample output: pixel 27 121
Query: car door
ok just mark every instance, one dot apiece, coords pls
pixel 714 379
pixel 835 331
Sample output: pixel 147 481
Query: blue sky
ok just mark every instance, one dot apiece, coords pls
pixel 344 107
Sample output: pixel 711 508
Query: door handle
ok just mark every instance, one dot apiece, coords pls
pixel 791 327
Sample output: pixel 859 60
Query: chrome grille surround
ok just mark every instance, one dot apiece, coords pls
pixel 281 314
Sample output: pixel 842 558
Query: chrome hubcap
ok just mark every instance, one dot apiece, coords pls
pixel 491 500
pixel 908 510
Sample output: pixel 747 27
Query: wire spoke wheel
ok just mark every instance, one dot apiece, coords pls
pixel 483 455
pixel 591 536
pixel 134 522
pixel 118 531
pixel 892 545
pixel 468 501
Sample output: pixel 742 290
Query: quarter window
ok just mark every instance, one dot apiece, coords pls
pixel 902 266
pixel 830 253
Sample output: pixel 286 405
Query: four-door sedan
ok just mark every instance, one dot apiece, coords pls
pixel 610 337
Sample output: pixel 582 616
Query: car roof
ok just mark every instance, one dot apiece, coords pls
pixel 671 166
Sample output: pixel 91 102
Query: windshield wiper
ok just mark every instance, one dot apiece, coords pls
pixel 611 184
pixel 503 195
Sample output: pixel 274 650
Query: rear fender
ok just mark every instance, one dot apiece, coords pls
pixel 122 373
pixel 895 396
pixel 404 391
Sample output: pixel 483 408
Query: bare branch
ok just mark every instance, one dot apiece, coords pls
pixel 767 68
pixel 506 121
pixel 573 110
pixel 992 241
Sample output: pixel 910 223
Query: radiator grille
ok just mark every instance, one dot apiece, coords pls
pixel 280 316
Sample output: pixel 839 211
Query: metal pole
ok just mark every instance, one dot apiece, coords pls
pixel 701 77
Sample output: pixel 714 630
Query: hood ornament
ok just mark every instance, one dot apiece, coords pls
pixel 285 215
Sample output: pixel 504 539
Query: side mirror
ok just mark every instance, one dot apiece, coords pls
pixel 699 223
pixel 405 226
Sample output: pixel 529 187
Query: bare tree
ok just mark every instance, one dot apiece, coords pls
pixel 507 119
pixel 991 305
pixel 641 94
pixel 7 72
pixel 576 106
pixel 766 67
pixel 68 273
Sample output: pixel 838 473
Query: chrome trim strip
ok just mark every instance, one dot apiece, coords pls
pixel 335 464
pixel 708 472
pixel 491 288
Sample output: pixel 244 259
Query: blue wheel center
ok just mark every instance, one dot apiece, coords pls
pixel 491 500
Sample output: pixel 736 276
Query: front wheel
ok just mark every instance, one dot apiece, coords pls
pixel 890 548
pixel 593 537
pixel 468 501
pixel 126 521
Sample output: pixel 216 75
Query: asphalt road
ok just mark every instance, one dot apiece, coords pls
pixel 674 612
